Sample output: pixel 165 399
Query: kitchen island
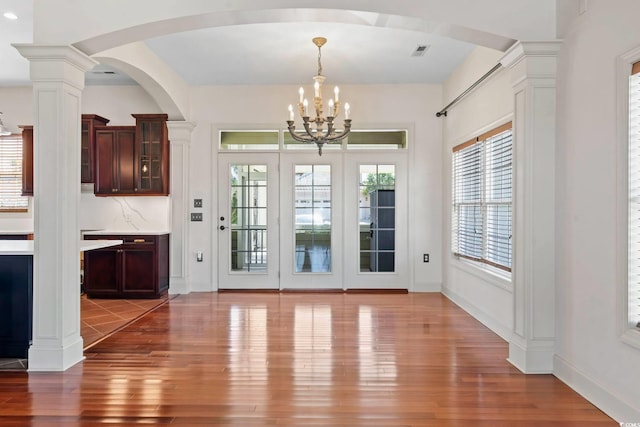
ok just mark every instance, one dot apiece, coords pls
pixel 16 292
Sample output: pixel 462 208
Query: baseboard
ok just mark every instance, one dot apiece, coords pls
pixel 502 331
pixel 426 287
pixel 178 285
pixel 598 395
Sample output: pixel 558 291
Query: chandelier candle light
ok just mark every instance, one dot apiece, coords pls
pixel 319 135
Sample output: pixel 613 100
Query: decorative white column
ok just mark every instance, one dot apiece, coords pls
pixel 533 74
pixel 57 73
pixel 180 138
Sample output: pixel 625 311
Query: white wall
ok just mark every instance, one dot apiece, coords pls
pixel 487 296
pixel 590 355
pixel 409 106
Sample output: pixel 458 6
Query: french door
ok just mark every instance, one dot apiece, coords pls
pixel 311 221
pixel 248 232
pixel 299 221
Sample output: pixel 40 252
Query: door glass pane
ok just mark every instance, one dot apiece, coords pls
pixel 248 218
pixel 312 206
pixel 377 218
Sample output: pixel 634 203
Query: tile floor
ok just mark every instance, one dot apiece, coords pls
pixel 99 319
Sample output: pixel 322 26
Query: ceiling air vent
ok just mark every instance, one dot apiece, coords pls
pixel 420 50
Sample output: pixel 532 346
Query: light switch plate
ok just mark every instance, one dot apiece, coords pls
pixel 197 203
pixel 196 216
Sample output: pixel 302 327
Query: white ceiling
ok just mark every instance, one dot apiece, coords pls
pixel 284 54
pixel 266 54
pixel 14 69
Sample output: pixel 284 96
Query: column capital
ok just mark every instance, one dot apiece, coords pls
pixel 522 49
pixel 50 63
pixel 180 131
pixel 532 59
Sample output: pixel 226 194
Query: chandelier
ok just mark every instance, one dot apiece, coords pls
pixel 319 135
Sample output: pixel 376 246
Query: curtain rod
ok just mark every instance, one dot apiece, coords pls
pixel 443 112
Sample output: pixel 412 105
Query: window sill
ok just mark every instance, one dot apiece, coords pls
pixel 14 210
pixel 489 274
pixel 631 337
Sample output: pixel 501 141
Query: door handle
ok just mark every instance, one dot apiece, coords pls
pixel 222 227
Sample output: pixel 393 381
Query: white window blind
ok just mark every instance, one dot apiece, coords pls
pixel 11 174
pixel 633 281
pixel 482 188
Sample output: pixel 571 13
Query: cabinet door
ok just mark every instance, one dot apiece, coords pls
pixel 125 161
pixel 88 146
pixel 102 274
pixel 115 153
pixel 139 272
pixel 152 165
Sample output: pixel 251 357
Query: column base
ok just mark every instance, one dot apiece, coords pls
pixel 53 358
pixel 532 358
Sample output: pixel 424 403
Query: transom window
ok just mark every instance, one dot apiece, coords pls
pixel 270 140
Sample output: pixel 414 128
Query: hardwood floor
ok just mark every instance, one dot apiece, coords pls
pixel 260 359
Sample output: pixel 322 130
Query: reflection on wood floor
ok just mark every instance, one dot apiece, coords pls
pixel 261 359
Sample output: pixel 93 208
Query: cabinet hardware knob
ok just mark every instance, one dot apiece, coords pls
pixel 138 240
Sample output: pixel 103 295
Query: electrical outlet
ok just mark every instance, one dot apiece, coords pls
pixel 196 216
pixel 197 203
pixel 425 257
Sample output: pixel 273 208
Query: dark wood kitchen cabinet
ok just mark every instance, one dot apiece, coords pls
pixel 133 160
pixel 115 160
pixel 27 160
pixel 152 154
pixel 138 268
pixel 88 146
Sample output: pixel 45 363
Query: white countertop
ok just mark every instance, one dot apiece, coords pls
pixel 124 232
pixel 25 247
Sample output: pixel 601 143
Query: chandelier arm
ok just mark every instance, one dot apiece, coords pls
pixel 347 130
pixel 340 137
pixel 307 128
pixel 295 136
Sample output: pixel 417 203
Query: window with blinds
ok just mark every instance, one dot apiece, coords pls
pixel 11 174
pixel 482 188
pixel 633 231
